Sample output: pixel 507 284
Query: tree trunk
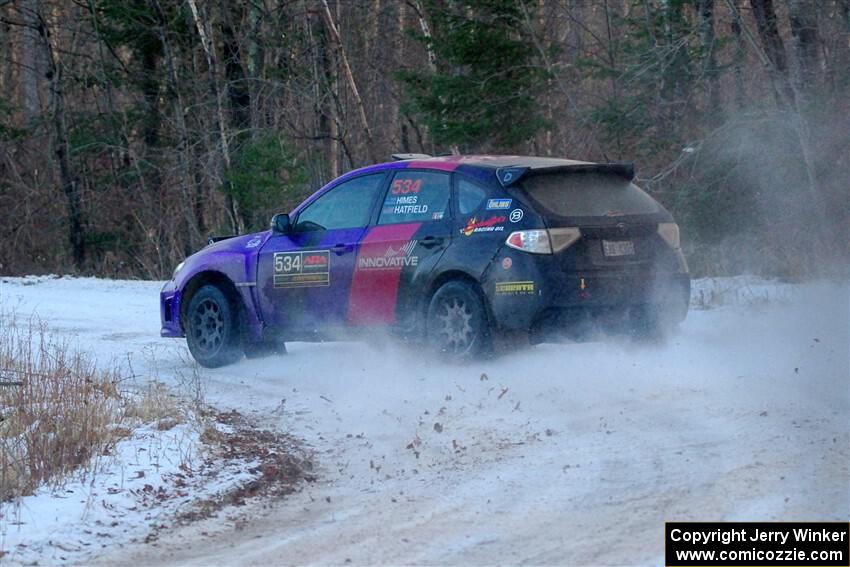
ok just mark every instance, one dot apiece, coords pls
pixel 804 33
pixel 740 54
pixel 194 222
pixel 30 49
pixel 774 49
pixel 334 32
pixel 212 73
pixel 71 184
pixel 6 46
pixel 706 19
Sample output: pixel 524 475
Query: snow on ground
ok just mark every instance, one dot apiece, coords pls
pixel 114 501
pixel 561 454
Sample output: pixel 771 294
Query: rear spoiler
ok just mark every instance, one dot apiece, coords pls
pixel 510 175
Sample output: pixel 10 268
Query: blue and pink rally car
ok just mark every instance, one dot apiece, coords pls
pixel 455 251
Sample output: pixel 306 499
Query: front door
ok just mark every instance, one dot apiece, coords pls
pixel 304 277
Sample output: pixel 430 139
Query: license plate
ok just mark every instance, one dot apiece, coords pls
pixel 618 247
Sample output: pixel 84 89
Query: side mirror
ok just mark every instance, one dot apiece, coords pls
pixel 280 224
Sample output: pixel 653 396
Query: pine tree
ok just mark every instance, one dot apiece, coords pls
pixel 480 92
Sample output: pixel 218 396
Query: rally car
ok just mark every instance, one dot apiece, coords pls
pixel 452 251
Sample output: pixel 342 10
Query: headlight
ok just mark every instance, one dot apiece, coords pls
pixel 177 269
pixel 669 231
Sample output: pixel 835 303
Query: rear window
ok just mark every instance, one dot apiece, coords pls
pixel 588 194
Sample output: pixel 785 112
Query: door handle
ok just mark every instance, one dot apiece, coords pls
pixel 341 249
pixel 431 241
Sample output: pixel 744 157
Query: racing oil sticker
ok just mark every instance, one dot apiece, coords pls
pixel 302 269
pixel 493 224
pixel 514 288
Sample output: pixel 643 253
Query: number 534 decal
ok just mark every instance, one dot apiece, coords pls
pixel 302 269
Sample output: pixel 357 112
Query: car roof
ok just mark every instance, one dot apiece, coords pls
pixel 489 161
pixel 481 166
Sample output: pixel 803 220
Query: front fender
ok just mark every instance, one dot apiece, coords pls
pixel 233 261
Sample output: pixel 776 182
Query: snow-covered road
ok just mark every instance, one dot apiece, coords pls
pixel 561 454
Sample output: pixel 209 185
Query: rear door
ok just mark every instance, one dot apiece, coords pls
pixel 304 277
pixel 411 233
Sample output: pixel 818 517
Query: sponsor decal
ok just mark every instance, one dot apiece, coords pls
pixel 404 205
pixel 302 269
pixel 403 200
pixel 316 260
pixel 391 259
pixel 254 242
pixel 409 200
pixel 409 209
pixel 516 215
pixel 515 288
pixel 507 263
pixel 405 186
pixel 487 225
pixel 498 204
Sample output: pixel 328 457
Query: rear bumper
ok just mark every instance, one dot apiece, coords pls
pixel 547 295
pixel 169 311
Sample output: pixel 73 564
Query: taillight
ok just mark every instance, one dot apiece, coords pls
pixel 533 241
pixel 669 231
pixel 563 238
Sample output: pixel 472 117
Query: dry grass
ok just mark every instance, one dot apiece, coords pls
pixel 58 408
pixel 154 402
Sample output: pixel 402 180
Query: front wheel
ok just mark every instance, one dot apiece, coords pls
pixel 212 331
pixel 457 323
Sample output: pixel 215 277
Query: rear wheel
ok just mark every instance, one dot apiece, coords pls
pixel 212 331
pixel 457 323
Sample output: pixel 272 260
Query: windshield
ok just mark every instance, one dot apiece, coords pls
pixel 585 194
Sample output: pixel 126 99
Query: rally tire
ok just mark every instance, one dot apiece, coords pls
pixel 212 328
pixel 457 325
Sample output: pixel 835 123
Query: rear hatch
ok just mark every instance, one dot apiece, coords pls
pixel 618 221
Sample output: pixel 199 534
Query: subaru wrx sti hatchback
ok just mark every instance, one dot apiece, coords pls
pixel 453 251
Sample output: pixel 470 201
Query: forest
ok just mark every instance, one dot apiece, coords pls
pixel 132 130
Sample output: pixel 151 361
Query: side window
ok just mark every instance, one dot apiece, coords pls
pixel 416 196
pixel 469 196
pixel 348 205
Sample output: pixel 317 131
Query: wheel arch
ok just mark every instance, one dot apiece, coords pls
pixel 222 282
pixel 457 275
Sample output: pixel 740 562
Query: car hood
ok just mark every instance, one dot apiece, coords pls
pixel 241 243
pixel 234 257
